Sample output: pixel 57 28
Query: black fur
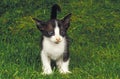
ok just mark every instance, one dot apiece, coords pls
pixel 54 10
pixel 66 54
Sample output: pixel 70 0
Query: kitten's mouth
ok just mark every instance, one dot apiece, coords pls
pixel 57 42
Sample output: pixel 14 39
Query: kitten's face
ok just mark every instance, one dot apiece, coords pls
pixel 54 30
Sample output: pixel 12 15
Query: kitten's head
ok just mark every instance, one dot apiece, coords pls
pixel 54 29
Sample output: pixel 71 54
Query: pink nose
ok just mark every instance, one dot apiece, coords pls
pixel 58 39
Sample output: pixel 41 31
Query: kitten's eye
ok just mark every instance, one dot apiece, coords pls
pixel 51 33
pixel 62 32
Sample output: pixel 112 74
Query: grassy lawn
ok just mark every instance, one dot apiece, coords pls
pixel 94 38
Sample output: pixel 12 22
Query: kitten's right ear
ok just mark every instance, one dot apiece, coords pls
pixel 66 21
pixel 40 24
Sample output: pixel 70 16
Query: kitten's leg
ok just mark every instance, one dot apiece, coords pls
pixel 46 63
pixel 63 63
pixel 63 66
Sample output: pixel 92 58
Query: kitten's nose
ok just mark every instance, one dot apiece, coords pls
pixel 58 39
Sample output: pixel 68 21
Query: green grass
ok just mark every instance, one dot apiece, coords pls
pixel 94 38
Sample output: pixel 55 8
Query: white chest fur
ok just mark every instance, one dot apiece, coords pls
pixel 53 50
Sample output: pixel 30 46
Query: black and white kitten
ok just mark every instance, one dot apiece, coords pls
pixel 54 41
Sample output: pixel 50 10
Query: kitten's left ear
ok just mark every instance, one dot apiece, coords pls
pixel 40 24
pixel 66 21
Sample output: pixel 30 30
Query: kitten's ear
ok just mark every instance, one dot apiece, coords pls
pixel 40 24
pixel 66 21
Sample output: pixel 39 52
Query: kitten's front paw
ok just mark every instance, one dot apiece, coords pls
pixel 65 72
pixel 47 71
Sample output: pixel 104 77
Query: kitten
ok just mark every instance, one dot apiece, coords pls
pixel 54 41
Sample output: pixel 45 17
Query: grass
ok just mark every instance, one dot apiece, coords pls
pixel 94 38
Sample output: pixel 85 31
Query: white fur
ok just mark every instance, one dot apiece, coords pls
pixel 63 66
pixel 54 51
pixel 57 34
